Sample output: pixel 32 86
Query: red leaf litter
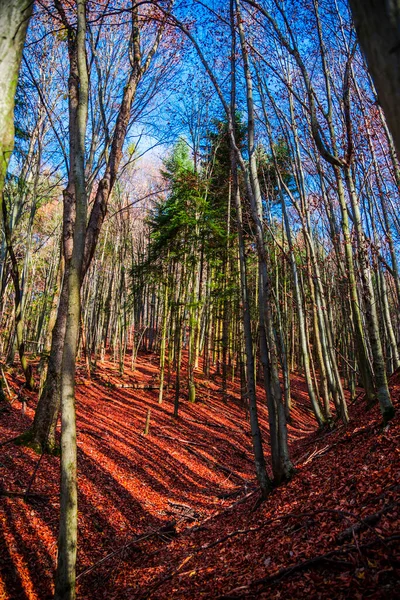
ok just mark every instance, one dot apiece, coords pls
pixel 175 514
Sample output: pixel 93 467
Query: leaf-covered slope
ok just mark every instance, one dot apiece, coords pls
pixel 175 514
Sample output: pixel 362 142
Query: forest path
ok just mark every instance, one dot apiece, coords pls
pixel 196 472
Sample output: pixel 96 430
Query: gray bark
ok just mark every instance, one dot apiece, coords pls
pixel 67 539
pixel 378 25
pixel 14 19
pixel 281 463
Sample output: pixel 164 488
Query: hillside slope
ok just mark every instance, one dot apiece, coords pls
pixel 175 514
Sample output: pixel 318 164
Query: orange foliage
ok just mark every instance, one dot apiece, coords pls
pixel 193 471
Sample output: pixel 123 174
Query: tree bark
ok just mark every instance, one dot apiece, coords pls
pixel 377 24
pixel 259 460
pixel 42 435
pixel 67 540
pixel 281 463
pixel 14 19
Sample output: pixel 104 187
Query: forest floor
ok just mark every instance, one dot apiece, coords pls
pixel 175 514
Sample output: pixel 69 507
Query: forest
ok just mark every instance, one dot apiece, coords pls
pixel 199 299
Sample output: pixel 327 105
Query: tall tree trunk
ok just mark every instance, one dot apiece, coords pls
pixel 42 435
pixel 14 19
pixel 67 540
pixel 259 460
pixel 281 463
pixel 371 315
pixel 99 210
pixel 163 336
pixel 377 24
pixel 18 299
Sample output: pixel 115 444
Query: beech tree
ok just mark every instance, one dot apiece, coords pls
pixel 377 27
pixel 14 20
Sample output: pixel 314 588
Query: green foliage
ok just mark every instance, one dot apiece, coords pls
pixel 218 164
pixel 267 170
pixel 177 222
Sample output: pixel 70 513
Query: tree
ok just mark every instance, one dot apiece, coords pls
pixel 14 20
pixel 377 24
pixel 75 204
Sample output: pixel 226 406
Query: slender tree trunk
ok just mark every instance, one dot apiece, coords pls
pixel 67 541
pixel 371 315
pixel 282 466
pixel 259 460
pixel 163 338
pixel 43 431
pixel 301 319
pixel 18 299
